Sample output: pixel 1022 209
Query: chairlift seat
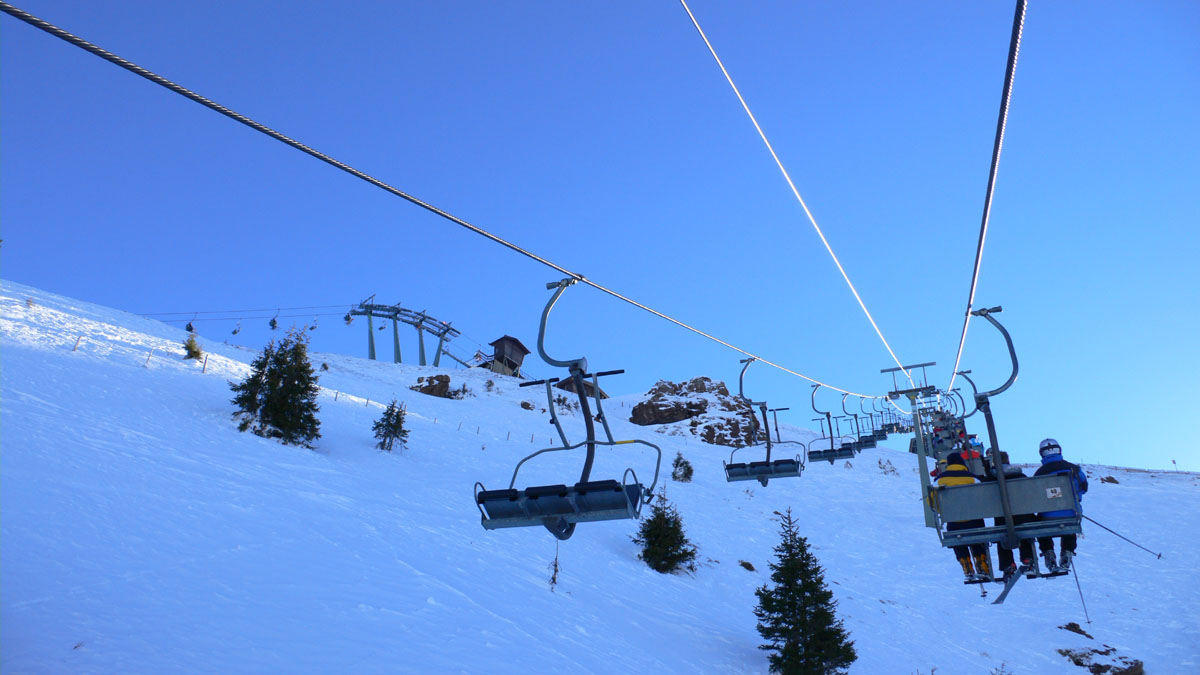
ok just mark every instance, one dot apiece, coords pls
pixel 866 442
pixel 844 452
pixel 780 468
pixel 583 502
pixel 1027 496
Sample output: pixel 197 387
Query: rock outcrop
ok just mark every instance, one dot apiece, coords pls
pixel 710 412
pixel 434 385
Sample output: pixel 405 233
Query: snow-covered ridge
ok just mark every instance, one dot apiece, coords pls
pixel 140 532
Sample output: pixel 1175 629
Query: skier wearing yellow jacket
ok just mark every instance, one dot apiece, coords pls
pixel 956 473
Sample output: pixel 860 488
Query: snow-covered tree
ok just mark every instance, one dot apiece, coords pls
pixel 279 397
pixel 681 469
pixel 390 427
pixel 796 616
pixel 665 546
pixel 192 348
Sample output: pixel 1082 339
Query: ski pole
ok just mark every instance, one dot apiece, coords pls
pixel 1159 555
pixel 1085 612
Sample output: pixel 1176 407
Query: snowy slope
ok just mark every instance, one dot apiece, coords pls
pixel 140 531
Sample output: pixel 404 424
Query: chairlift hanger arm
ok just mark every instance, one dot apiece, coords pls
pixel 1012 352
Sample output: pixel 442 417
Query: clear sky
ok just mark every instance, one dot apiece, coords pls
pixel 603 136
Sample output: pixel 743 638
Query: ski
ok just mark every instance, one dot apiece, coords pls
pixel 1008 585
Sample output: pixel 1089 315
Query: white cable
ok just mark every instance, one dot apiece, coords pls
pixel 792 185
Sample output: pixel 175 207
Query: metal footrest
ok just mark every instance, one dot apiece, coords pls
pixel 780 468
pixel 1053 527
pixel 579 503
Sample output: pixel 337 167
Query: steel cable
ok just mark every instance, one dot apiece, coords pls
pixel 1014 47
pixel 787 177
pixel 187 93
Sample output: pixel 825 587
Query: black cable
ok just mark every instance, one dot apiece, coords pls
pixel 1014 47
pixel 243 311
pixel 212 105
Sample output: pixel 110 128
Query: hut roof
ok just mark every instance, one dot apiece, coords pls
pixel 509 337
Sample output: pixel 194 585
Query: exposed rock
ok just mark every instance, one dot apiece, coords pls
pixel 434 385
pixel 1108 479
pixel 528 405
pixel 714 416
pixel 1075 628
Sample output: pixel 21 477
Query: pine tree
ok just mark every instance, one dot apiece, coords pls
pixel 279 397
pixel 390 427
pixel 192 348
pixel 665 546
pixel 681 469
pixel 796 617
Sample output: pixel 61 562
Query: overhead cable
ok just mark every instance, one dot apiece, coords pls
pixel 244 311
pixel 187 93
pixel 787 177
pixel 1014 46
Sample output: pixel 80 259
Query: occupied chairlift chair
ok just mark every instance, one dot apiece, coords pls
pixel 560 507
pixel 1005 497
pixel 842 451
pixel 768 469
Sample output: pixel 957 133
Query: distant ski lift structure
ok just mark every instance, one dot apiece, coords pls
pixel 765 470
pixel 1003 498
pixel 274 322
pixel 422 322
pixel 189 327
pixel 559 508
pixel 237 329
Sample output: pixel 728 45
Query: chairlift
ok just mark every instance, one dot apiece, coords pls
pixel 274 322
pixel 834 452
pixel 559 508
pixel 765 470
pixel 860 441
pixel 314 323
pixel 1003 498
pixel 238 328
pixel 189 327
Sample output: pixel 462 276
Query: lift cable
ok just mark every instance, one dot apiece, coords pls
pixel 187 93
pixel 787 177
pixel 245 311
pixel 1014 46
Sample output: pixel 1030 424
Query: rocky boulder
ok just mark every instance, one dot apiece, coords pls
pixel 434 385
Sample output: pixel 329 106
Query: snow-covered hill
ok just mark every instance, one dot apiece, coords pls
pixel 141 532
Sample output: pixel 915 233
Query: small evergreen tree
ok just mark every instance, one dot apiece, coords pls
pixel 390 427
pixel 681 469
pixel 192 348
pixel 279 397
pixel 665 546
pixel 796 617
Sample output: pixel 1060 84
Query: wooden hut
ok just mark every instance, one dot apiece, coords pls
pixel 508 356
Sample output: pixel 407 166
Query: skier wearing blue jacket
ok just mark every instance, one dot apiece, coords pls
pixel 1053 463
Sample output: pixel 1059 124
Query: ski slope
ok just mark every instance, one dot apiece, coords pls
pixel 141 532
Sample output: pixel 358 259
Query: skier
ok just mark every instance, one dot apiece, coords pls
pixel 956 473
pixel 1005 555
pixel 1053 463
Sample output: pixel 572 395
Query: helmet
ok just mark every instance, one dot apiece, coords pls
pixel 1049 447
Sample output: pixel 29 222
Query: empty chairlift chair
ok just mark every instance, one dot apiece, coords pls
pixel 559 507
pixel 836 449
pixel 763 471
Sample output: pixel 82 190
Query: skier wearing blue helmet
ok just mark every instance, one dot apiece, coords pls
pixel 1053 463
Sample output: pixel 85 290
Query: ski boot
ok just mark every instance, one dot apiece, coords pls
pixel 1064 560
pixel 968 570
pixel 1051 564
pixel 983 567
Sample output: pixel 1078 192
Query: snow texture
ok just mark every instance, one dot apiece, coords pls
pixel 143 533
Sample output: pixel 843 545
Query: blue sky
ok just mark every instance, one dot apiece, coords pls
pixel 602 136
